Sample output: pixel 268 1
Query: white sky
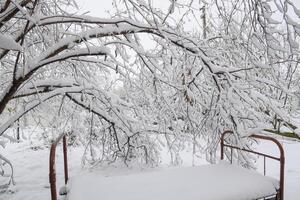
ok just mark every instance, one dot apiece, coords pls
pixel 98 7
pixel 101 8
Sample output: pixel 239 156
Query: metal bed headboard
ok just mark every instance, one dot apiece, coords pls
pixel 281 158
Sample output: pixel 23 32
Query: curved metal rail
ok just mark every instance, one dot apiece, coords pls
pixel 52 174
pixel 281 159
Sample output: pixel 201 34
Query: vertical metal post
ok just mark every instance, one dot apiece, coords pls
pixel 65 159
pixel 282 161
pixel 52 173
pixel 222 143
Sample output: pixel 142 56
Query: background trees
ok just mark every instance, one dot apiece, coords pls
pixel 148 77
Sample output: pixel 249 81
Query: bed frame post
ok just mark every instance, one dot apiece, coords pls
pixel 65 159
pixel 52 173
pixel 281 159
pixel 222 143
pixel 282 162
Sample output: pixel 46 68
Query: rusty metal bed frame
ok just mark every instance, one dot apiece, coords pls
pixel 52 173
pixel 281 159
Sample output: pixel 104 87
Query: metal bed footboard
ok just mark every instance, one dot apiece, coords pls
pixel 52 172
pixel 281 158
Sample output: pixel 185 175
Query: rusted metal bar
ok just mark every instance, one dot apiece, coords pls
pixel 65 159
pixel 254 152
pixel 281 159
pixel 52 173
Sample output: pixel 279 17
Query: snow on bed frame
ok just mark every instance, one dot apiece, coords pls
pixel 281 159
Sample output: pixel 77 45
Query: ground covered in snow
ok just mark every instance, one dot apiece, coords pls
pixel 31 169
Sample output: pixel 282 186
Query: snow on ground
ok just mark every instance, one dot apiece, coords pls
pixel 31 169
pixel 292 183
pixel 30 161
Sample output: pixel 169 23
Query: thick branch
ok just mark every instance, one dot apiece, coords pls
pixel 10 13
